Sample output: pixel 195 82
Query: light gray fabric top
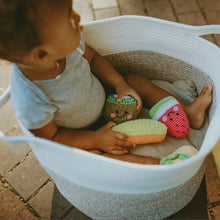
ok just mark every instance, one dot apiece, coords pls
pixel 74 99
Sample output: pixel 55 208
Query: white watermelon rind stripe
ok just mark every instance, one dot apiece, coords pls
pixel 158 113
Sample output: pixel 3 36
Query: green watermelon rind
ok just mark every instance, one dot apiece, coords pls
pixel 153 111
pixel 113 99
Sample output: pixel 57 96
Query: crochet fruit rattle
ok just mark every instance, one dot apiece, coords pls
pixel 182 153
pixel 142 131
pixel 120 111
pixel 169 111
pixel 124 113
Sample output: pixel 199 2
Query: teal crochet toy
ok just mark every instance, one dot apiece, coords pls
pixel 182 153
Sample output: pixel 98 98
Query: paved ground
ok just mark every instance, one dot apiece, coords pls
pixel 26 190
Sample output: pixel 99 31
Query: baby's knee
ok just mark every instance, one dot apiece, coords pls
pixel 131 77
pixel 136 80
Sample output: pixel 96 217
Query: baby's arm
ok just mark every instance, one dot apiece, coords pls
pixel 105 72
pixel 103 139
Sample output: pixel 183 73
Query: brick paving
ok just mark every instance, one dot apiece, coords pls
pixel 26 190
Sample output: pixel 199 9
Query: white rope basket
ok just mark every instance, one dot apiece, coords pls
pixel 139 190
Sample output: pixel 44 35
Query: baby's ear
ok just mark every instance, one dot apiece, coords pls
pixel 42 53
pixel 38 53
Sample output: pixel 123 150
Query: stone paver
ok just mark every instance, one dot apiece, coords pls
pixel 27 177
pixel 213 5
pixel 106 13
pixel 97 4
pixel 25 188
pixel 212 181
pixel 8 119
pixel 213 17
pixel 49 203
pixel 12 155
pixel 132 7
pixel 160 9
pixel 195 18
pixel 84 8
pixel 1 186
pixel 6 113
pixel 186 6
pixel 5 74
pixel 213 189
pixel 12 208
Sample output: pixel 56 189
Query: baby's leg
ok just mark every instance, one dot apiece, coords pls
pixel 134 158
pixel 151 94
pixel 128 157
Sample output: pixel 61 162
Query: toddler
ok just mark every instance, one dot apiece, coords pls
pixel 56 83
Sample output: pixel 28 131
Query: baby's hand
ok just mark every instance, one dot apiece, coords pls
pixel 110 141
pixel 124 89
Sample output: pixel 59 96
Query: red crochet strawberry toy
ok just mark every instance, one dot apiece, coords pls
pixel 169 111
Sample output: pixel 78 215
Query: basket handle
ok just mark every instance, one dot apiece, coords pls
pixel 11 140
pixel 198 31
pixel 16 140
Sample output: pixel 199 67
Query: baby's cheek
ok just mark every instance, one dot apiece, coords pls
pixel 112 115
pixel 129 117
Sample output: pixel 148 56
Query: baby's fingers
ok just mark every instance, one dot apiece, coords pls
pixel 121 140
pixel 139 103
pixel 139 106
pixel 124 143
pixel 120 136
pixel 109 125
pixel 120 97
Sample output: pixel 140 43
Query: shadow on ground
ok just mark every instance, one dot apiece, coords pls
pixel 196 209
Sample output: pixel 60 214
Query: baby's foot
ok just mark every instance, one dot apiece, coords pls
pixel 197 109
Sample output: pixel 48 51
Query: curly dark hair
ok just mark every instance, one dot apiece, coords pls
pixel 19 32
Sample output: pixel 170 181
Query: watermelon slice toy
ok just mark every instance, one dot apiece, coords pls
pixel 169 112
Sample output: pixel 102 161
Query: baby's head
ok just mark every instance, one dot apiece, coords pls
pixel 37 30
